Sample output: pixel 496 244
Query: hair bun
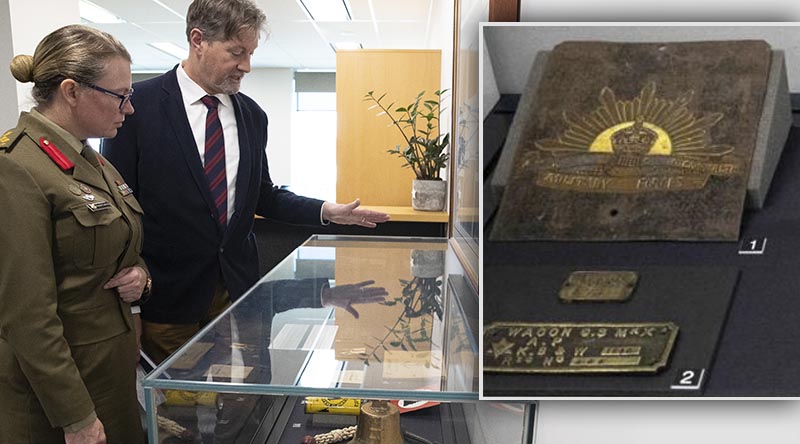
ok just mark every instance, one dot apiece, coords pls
pixel 22 68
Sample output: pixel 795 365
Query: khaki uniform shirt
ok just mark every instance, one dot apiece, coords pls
pixel 64 233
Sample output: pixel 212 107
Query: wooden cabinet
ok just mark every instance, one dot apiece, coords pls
pixel 364 169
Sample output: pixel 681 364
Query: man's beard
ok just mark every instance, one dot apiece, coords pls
pixel 228 86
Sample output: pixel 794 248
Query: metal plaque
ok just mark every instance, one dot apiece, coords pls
pixel 637 141
pixel 519 347
pixel 598 286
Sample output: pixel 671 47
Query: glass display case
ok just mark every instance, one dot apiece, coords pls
pixel 342 320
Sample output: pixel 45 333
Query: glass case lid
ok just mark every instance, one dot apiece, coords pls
pixel 343 316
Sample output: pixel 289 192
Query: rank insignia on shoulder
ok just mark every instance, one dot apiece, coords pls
pixel 9 139
pixel 55 154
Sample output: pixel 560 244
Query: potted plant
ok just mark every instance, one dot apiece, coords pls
pixel 425 150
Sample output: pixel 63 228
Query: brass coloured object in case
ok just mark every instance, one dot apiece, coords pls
pixel 575 347
pixel 598 286
pixel 378 423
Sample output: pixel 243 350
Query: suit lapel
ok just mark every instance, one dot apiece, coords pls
pixel 245 159
pixel 172 104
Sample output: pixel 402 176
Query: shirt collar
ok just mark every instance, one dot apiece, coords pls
pixel 71 140
pixel 192 92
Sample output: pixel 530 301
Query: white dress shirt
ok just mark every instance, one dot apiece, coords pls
pixel 196 112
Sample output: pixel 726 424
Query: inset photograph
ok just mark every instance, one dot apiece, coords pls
pixel 638 213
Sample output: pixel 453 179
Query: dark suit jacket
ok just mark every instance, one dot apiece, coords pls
pixel 184 246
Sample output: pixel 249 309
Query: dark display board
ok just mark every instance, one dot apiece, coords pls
pixel 757 352
pixel 695 299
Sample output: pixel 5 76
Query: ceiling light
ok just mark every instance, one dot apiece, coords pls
pixel 171 49
pixel 347 45
pixel 327 10
pixel 170 9
pixel 95 14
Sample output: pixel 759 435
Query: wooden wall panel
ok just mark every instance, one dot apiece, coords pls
pixel 364 169
pixel 504 10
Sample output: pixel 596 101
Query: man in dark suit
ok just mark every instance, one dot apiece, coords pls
pixel 194 154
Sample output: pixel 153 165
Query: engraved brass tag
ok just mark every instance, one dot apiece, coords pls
pixel 598 286
pixel 519 347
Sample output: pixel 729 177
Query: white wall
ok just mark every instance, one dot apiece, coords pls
pixel 273 89
pixel 8 86
pixel 22 26
pixel 652 10
pixel 667 422
pixel 513 48
pixel 441 37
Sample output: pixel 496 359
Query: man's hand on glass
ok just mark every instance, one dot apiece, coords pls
pixel 344 296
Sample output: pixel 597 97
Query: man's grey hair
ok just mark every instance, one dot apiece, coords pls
pixel 221 20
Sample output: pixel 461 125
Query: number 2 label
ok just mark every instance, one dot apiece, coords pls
pixel 689 379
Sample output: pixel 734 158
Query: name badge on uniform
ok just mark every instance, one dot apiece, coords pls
pixel 98 206
pixel 123 188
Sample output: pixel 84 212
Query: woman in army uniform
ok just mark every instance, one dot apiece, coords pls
pixel 71 236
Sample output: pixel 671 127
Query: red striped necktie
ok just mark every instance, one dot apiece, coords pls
pixel 215 159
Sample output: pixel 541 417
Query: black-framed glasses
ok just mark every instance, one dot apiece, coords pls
pixel 123 98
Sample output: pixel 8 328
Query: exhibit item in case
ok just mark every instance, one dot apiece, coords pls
pixel 536 344
pixel 576 347
pixel 334 406
pixel 637 141
pixel 581 347
pixel 598 286
pixel 378 423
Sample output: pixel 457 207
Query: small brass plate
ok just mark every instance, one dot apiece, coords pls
pixel 520 347
pixel 598 286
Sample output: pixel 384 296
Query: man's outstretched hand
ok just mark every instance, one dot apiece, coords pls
pixel 352 214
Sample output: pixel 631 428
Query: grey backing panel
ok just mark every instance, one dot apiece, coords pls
pixel 773 130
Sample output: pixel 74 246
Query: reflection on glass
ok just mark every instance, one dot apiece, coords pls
pixel 466 173
pixel 368 316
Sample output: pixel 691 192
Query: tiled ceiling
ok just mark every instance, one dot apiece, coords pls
pixel 294 40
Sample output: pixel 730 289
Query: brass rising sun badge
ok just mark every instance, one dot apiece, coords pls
pixel 634 146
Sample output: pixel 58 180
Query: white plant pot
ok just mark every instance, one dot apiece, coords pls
pixel 427 263
pixel 428 195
